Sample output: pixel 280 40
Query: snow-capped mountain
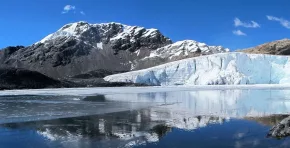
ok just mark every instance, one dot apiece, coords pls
pixel 177 51
pixel 217 69
pixel 186 48
pixel 122 37
pixel 81 47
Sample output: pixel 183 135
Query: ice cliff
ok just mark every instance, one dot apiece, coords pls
pixel 218 69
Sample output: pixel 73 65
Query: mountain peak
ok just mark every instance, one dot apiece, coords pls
pixel 108 32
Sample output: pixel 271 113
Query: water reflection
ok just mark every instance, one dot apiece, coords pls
pixel 208 118
pixel 141 128
pixel 281 129
pixel 222 103
pixel 122 129
pixel 226 103
pixel 268 120
pixel 31 108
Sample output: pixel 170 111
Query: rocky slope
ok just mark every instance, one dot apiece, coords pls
pixel 17 78
pixel 280 47
pixel 100 73
pixel 79 48
pixel 12 78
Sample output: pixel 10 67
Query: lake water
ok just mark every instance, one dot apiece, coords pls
pixel 142 117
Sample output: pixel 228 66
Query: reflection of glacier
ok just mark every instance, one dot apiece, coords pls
pixel 123 129
pixel 31 108
pixel 116 126
pixel 181 119
pixel 226 103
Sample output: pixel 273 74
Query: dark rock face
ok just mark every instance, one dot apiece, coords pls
pixel 280 47
pixel 9 50
pixel 15 78
pixel 99 82
pixel 78 48
pixel 12 78
pixel 6 52
pixel 95 79
pixel 100 73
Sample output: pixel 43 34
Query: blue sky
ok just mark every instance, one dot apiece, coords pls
pixel 234 24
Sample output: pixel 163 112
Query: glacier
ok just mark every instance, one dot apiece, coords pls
pixel 232 68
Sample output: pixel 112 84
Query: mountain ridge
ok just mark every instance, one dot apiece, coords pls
pixel 80 47
pixel 84 53
pixel 278 47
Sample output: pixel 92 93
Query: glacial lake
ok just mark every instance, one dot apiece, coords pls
pixel 144 117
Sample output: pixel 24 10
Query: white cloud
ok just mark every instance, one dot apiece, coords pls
pixel 82 13
pixel 68 8
pixel 283 22
pixel 239 33
pixel 251 24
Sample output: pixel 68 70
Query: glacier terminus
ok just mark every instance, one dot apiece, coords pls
pixel 218 69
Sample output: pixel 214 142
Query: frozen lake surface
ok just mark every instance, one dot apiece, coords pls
pixel 213 116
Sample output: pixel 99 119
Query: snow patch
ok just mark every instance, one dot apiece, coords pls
pixel 186 47
pixel 100 45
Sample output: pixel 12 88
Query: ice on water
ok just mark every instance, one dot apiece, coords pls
pixel 27 105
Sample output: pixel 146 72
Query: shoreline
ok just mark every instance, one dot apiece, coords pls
pixel 87 91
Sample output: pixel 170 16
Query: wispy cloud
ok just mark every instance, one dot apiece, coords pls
pixel 239 33
pixel 283 22
pixel 68 8
pixel 82 13
pixel 252 24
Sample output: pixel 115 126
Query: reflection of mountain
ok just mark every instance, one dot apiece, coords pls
pixel 122 128
pixel 281 129
pixel 181 119
pixel 280 124
pixel 221 103
pixel 30 108
pixel 225 103
pixel 165 112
